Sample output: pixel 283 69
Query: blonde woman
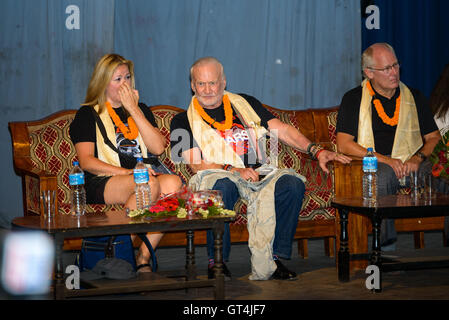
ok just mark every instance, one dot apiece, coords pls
pixel 131 128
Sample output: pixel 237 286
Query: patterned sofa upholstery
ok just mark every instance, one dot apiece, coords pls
pixel 43 154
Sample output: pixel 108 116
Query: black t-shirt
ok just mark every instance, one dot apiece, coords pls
pixel 348 117
pixel 236 137
pixel 83 129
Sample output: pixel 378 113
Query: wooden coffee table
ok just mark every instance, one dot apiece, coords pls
pixel 116 223
pixel 387 207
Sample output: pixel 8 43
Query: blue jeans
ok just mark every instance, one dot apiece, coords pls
pixel 289 194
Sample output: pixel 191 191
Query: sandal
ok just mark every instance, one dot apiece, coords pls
pixel 144 265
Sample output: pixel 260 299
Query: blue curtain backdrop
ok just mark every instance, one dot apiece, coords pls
pixel 290 54
pixel 418 30
pixel 283 52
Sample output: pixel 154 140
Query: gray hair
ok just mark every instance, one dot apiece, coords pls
pixel 206 60
pixel 367 55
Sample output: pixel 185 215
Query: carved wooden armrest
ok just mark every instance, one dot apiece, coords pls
pixel 348 178
pixel 34 181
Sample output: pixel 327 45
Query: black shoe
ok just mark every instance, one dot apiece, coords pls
pixel 282 273
pixel 211 272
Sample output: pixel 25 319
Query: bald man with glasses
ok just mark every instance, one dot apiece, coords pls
pixel 393 119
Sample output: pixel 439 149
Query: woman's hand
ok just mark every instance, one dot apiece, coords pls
pixel 151 172
pixel 126 172
pixel 153 139
pixel 129 97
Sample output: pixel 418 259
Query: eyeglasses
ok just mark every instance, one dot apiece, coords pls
pixel 387 69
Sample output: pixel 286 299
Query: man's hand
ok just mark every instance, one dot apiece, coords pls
pixel 412 164
pixel 397 165
pixel 247 173
pixel 325 156
pixel 401 169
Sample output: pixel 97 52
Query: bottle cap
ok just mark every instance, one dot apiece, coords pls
pixel 76 163
pixel 139 159
pixel 370 149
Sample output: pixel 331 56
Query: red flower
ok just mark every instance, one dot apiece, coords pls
pixel 156 208
pixel 436 169
pixel 442 157
pixel 169 204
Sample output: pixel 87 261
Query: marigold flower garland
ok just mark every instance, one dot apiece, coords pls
pixel 380 109
pixel 228 114
pixel 131 131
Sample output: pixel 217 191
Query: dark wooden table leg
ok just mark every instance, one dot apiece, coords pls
pixel 59 268
pixel 376 258
pixel 343 253
pixel 190 256
pixel 218 267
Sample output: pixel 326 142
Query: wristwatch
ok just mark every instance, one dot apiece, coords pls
pixel 421 155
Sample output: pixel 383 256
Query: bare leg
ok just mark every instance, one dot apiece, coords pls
pixel 163 184
pixel 168 184
pixel 120 189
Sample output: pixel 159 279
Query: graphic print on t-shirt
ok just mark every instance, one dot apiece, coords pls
pixel 126 146
pixel 237 138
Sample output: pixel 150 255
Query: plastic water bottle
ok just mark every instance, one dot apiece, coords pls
pixel 369 176
pixel 143 193
pixel 77 191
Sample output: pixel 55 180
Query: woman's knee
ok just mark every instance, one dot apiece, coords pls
pixel 118 189
pixel 155 185
pixel 169 183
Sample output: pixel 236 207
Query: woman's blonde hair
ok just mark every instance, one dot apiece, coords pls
pixel 102 75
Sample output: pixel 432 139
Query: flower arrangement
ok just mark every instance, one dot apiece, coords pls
pixel 439 158
pixel 186 203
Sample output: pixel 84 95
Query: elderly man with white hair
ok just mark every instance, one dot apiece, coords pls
pixel 220 137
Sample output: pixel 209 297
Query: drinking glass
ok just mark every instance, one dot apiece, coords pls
pixel 415 185
pixel 49 204
pixel 429 186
